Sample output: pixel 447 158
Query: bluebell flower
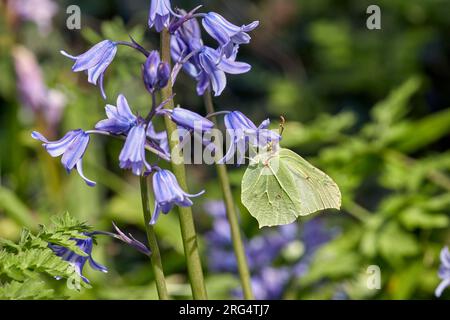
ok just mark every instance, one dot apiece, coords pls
pixel 120 119
pixel 159 15
pixel 444 272
pixel 186 41
pixel 168 193
pixel 243 132
pixel 227 34
pixel 95 61
pixel 205 64
pixel 76 260
pixel 213 69
pixel 72 148
pixel 160 138
pixel 156 73
pixel 188 120
pixel 132 155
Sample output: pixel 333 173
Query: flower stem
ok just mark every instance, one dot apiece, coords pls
pixel 238 245
pixel 155 257
pixel 188 233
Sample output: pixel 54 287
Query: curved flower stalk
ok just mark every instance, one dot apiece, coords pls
pixel 444 272
pixel 95 61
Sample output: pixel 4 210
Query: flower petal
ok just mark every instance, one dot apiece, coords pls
pixel 79 166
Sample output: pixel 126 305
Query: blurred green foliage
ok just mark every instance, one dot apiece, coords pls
pixel 370 108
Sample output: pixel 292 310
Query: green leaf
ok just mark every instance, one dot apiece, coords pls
pixel 418 218
pixel 15 208
pixel 396 245
pixel 395 106
pixel 279 187
pixel 30 289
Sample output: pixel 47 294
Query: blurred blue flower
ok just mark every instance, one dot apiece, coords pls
pixel 72 148
pixel 168 193
pixel 159 15
pixel 41 12
pixel 227 34
pixel 132 155
pixel 444 272
pixel 155 72
pixel 220 233
pixel 76 260
pixel 120 119
pixel 269 281
pixel 95 61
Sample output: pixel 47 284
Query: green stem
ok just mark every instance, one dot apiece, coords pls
pixel 155 257
pixel 357 211
pixel 188 233
pixel 238 246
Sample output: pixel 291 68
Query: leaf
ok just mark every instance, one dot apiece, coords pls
pixel 279 187
pixel 29 289
pixel 15 208
pixel 417 218
pixel 395 106
pixel 396 245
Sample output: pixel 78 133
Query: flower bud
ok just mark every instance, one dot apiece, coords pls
pixel 155 73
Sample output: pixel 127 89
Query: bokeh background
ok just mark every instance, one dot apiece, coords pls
pixel 369 107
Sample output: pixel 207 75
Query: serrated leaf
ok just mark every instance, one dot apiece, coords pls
pixel 279 187
pixel 29 289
